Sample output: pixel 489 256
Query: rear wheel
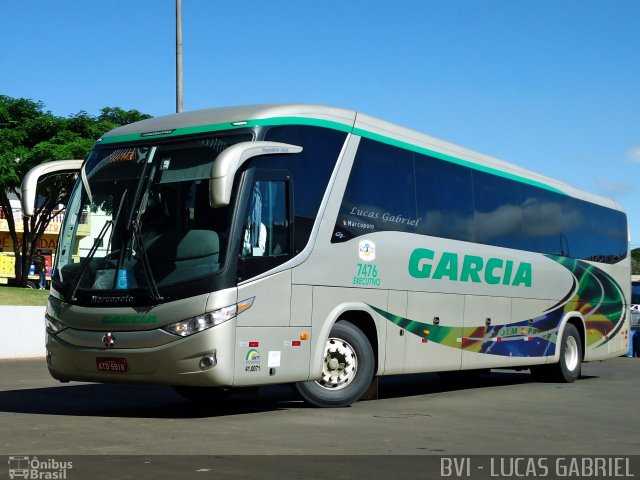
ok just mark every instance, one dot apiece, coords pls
pixel 567 370
pixel 347 369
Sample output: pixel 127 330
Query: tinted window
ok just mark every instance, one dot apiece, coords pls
pixel 265 230
pixel 394 189
pixel 265 238
pixel 635 293
pixel 594 232
pixel 542 224
pixel 310 170
pixel 380 194
pixel 444 195
pixel 498 212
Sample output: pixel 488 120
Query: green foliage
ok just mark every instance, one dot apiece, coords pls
pixel 119 116
pixel 29 135
pixel 635 261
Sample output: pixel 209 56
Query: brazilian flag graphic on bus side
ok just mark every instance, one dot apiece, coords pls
pixel 594 293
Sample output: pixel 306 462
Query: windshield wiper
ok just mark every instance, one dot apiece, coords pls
pixel 134 234
pixel 146 265
pixel 85 262
pixel 94 248
pixel 141 182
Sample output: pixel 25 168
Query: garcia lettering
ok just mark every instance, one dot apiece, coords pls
pixel 469 268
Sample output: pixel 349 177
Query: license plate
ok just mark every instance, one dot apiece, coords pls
pixel 116 365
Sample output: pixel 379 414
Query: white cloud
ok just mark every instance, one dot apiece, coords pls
pixel 612 187
pixel 634 154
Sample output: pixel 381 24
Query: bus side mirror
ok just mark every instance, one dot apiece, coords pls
pixel 231 159
pixel 39 172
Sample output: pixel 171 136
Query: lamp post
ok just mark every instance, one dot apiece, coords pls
pixel 178 56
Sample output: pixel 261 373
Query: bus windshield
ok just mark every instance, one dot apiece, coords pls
pixel 139 218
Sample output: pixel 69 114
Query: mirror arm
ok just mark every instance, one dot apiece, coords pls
pixel 39 172
pixel 229 161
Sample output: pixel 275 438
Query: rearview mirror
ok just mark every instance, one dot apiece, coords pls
pixel 40 172
pixel 231 159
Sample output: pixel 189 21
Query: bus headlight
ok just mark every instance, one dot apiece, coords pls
pixel 192 325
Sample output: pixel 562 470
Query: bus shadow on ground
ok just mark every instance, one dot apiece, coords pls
pixel 430 383
pixel 153 401
pixel 136 401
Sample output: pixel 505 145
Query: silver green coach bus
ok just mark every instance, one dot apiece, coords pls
pixel 303 244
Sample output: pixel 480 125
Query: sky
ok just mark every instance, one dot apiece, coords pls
pixel 550 85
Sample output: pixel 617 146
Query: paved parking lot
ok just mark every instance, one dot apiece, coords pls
pixel 503 413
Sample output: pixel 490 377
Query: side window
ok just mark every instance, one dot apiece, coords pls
pixel 542 222
pixel 635 293
pixel 594 232
pixel 265 230
pixel 498 211
pixel 266 237
pixel 310 170
pixel 392 189
pixel 445 199
pixel 380 193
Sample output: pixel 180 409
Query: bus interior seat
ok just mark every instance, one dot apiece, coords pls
pixel 278 239
pixel 180 256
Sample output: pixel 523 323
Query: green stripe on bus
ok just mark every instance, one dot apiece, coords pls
pixel 452 159
pixel 315 122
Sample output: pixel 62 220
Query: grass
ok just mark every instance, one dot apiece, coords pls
pixel 23 296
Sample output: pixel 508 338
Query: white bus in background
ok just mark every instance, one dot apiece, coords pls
pixel 318 246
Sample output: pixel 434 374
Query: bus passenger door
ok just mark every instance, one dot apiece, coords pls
pixel 264 349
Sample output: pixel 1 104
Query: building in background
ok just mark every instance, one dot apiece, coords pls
pixel 47 244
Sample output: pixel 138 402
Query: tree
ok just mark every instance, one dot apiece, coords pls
pixel 635 261
pixel 121 117
pixel 30 136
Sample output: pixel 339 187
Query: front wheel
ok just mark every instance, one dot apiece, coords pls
pixel 347 369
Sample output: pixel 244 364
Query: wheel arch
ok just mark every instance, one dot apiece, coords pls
pixel 575 319
pixel 365 322
pixel 360 315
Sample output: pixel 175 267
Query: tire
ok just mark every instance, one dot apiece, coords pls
pixel 203 395
pixel 567 370
pixel 347 370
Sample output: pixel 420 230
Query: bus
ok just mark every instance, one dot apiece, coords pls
pixel 324 248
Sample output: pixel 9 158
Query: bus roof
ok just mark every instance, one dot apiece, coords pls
pixel 225 118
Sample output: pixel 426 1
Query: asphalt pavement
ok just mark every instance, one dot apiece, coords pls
pixel 501 413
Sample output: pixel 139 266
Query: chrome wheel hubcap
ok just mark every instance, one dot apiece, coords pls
pixel 340 364
pixel 571 354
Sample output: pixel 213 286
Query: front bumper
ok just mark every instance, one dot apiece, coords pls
pixel 175 362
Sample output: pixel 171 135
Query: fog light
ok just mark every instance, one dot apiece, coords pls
pixel 208 361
